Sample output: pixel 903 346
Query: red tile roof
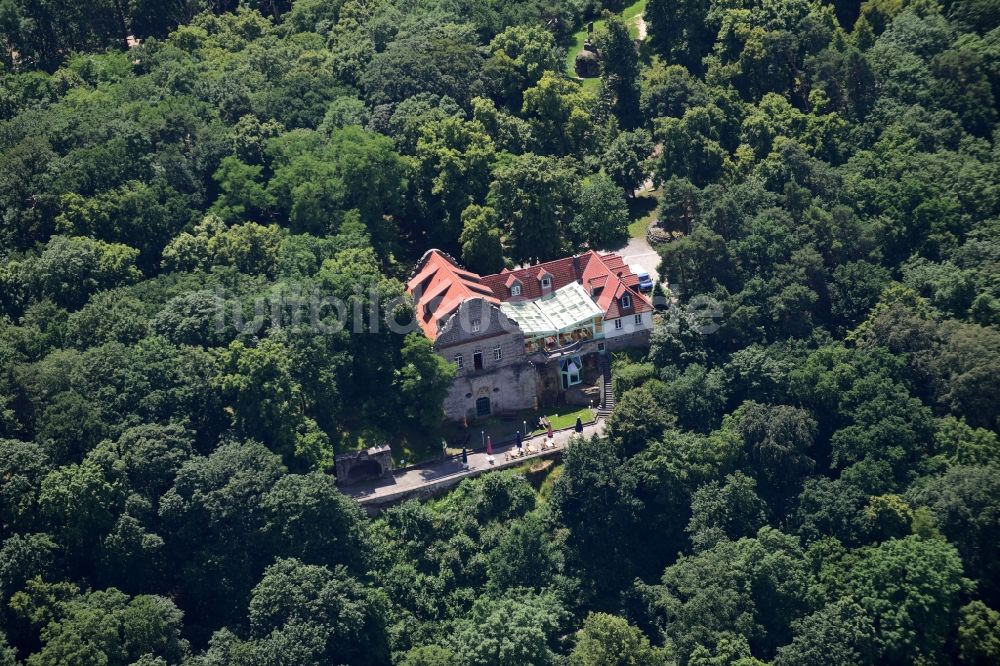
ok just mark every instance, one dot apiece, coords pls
pixel 611 275
pixel 439 285
pixel 561 271
pixel 597 283
pixel 606 276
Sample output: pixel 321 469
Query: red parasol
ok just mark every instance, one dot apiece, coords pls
pixel 489 445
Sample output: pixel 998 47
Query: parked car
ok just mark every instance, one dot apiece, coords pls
pixel 645 282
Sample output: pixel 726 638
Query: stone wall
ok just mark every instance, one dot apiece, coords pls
pixel 458 329
pixel 510 383
pixel 509 388
pixel 364 465
pixel 638 338
pixel 375 505
pixel 515 382
pixel 550 390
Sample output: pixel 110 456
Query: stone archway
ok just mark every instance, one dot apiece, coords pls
pixel 483 407
pixel 364 465
pixel 364 470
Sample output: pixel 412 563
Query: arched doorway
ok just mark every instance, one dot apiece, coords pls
pixel 364 470
pixel 483 406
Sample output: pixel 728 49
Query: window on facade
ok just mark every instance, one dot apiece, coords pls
pixel 638 319
pixel 476 324
pixel 477 360
pixel 459 361
pixel 618 324
pixel 626 300
pixel 497 353
pixel 515 290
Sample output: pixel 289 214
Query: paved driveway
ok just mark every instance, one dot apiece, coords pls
pixel 638 251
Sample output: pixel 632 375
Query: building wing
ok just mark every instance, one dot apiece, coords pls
pixel 544 299
pixel 438 286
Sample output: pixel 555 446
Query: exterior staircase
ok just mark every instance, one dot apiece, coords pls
pixel 607 395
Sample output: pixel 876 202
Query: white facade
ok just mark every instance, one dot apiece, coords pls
pixel 628 324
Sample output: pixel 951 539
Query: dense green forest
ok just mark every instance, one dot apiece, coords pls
pixel 815 482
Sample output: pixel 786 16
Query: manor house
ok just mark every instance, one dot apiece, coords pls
pixel 529 337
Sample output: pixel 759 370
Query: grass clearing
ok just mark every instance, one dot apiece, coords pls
pixel 630 14
pixel 642 212
pixel 627 356
pixel 566 416
pixel 637 229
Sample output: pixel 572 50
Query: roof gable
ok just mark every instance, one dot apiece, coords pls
pixel 438 286
pixel 615 278
pixel 561 271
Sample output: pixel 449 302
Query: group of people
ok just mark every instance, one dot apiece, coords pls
pixel 548 442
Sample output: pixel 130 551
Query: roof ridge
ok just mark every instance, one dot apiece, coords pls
pixel 540 265
pixel 454 285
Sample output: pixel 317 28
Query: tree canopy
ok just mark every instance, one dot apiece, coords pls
pixel 209 212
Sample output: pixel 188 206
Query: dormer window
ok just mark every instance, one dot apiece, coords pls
pixel 513 286
pixel 626 301
pixel 546 282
